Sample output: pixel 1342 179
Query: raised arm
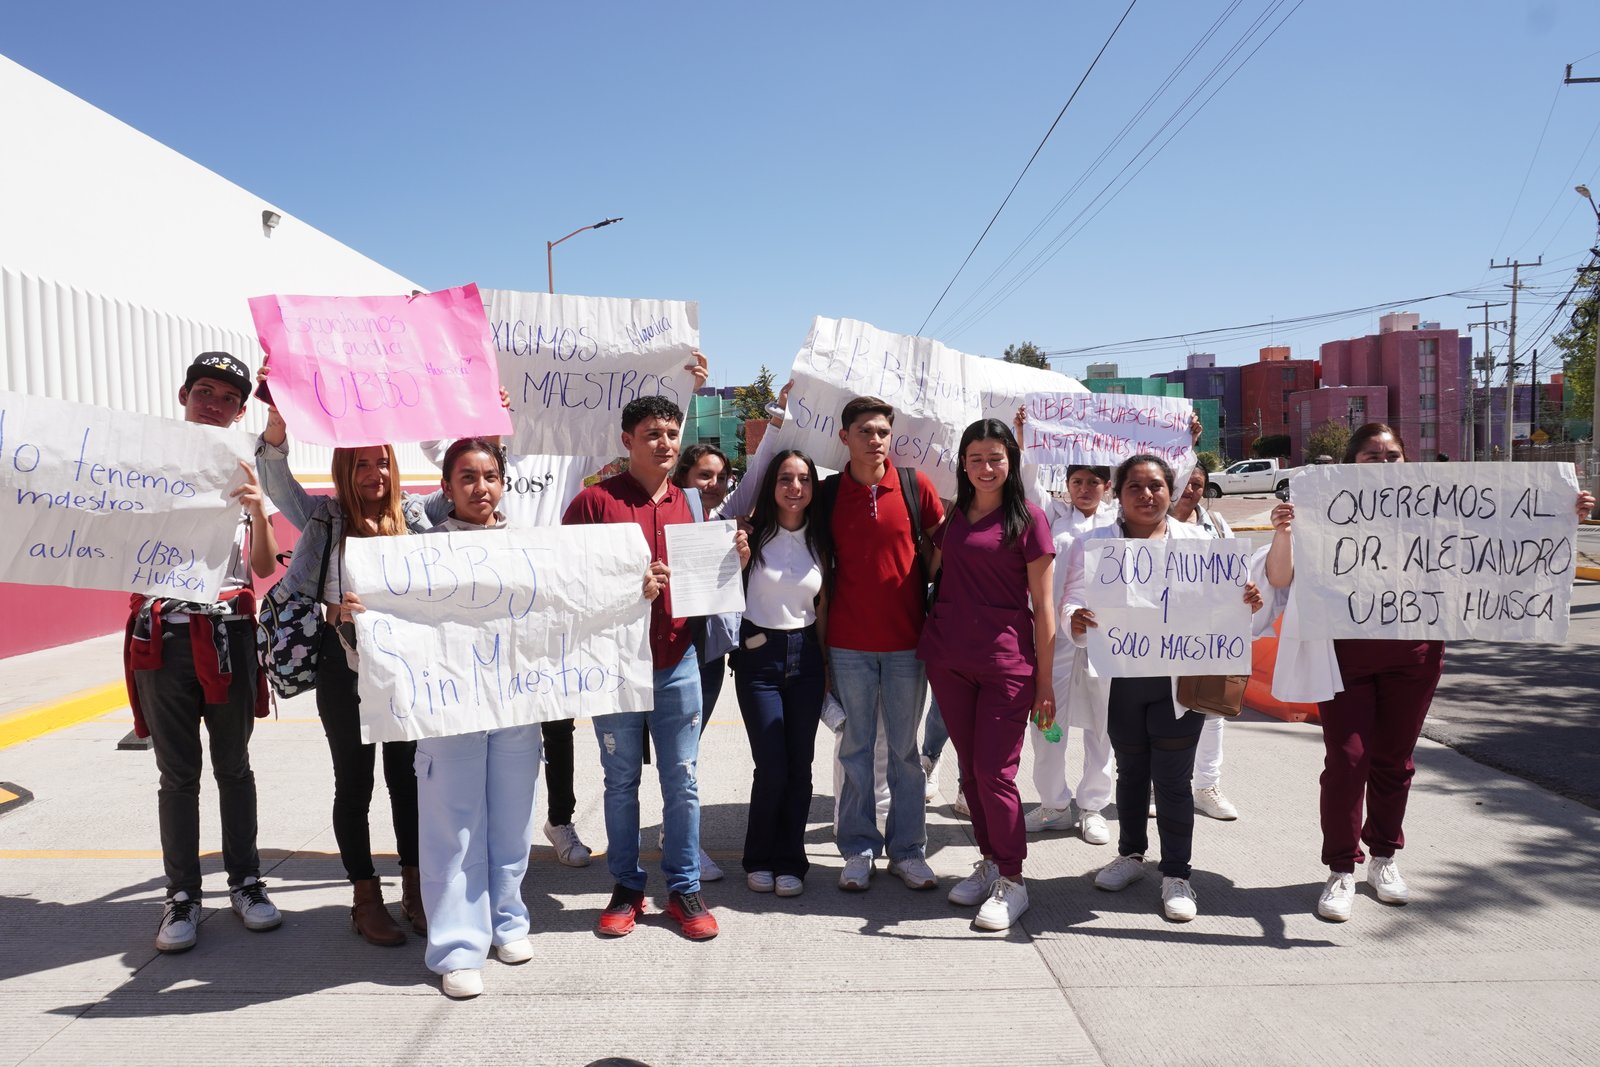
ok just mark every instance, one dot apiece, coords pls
pixel 1280 556
pixel 272 467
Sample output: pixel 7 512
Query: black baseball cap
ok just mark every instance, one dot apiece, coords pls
pixel 224 368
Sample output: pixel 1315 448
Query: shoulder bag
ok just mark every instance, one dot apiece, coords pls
pixel 292 624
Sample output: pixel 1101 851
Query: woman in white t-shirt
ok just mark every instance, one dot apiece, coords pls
pixel 779 672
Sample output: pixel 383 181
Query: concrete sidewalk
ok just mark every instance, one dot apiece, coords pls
pixel 1497 961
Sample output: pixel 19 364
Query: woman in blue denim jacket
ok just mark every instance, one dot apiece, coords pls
pixel 367 502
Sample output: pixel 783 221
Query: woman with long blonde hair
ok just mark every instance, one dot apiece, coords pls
pixel 367 502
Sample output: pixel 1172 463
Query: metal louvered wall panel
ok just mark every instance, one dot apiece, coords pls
pixel 63 342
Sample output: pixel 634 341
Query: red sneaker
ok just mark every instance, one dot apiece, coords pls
pixel 693 916
pixel 620 915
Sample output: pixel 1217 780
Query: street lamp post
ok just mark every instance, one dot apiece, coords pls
pixel 1594 399
pixel 550 248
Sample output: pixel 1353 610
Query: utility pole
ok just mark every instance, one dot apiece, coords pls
pixel 1472 391
pixel 1533 376
pixel 1511 343
pixel 1570 80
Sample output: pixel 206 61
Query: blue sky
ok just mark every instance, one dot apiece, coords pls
pixel 777 162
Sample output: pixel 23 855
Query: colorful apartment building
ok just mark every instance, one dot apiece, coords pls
pixel 1266 386
pixel 1203 382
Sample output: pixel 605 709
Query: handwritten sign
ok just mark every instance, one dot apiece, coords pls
pixel 572 363
pixel 483 630
pixel 936 391
pixel 539 488
pixel 99 499
pixel 1434 551
pixel 370 370
pixel 1106 428
pixel 1168 607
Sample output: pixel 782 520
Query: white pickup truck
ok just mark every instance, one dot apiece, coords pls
pixel 1249 476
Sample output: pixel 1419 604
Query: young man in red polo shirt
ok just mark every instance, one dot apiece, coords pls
pixel 645 495
pixel 877 599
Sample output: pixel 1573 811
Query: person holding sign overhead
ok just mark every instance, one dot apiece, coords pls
pixel 1152 734
pixel 367 502
pixel 989 647
pixel 1373 696
pixel 192 663
pixel 644 495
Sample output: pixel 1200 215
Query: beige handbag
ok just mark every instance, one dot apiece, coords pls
pixel 1213 694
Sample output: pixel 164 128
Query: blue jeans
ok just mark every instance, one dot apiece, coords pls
pixel 934 735
pixel 674 728
pixel 779 683
pixel 475 812
pixel 896 681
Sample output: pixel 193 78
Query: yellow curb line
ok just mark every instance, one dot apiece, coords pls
pixel 1590 574
pixel 45 718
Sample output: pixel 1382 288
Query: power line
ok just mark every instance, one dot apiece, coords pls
pixel 1529 172
pixel 1095 62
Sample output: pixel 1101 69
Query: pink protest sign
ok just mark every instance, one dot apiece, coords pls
pixel 366 370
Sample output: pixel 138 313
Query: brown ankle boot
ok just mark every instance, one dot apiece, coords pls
pixel 411 899
pixel 370 918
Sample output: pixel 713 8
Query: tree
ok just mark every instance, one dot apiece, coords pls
pixel 1209 460
pixel 750 402
pixel 1576 344
pixel 1028 354
pixel 1272 445
pixel 1329 439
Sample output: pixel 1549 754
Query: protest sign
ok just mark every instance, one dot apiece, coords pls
pixel 936 393
pixel 1433 551
pixel 372 370
pixel 572 363
pixel 1169 607
pixel 99 499
pixel 483 630
pixel 539 488
pixel 1103 429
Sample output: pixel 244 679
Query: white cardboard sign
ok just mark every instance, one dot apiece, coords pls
pixel 936 392
pixel 1103 429
pixel 1169 607
pixel 484 630
pixel 100 499
pixel 1434 551
pixel 572 363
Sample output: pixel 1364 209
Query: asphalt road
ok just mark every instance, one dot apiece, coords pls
pixel 1529 710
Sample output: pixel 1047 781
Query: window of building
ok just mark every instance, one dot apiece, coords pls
pixel 1286 393
pixel 1428 374
pixel 1357 410
pixel 1288 374
pixel 1286 418
pixel 1430 435
pixel 1428 351
pixel 1117 390
pixel 1219 384
pixel 1428 402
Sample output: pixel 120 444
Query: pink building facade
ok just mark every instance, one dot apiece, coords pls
pixel 1347 405
pixel 1423 373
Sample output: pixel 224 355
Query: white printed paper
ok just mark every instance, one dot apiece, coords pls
pixel 484 630
pixel 1167 608
pixel 100 499
pixel 936 392
pixel 1434 551
pixel 572 363
pixel 1103 429
pixel 706 578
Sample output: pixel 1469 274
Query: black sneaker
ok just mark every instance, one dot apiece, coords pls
pixel 622 913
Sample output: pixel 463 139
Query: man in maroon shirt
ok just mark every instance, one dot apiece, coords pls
pixel 644 495
pixel 877 599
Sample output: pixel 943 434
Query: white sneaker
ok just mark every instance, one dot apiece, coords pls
pixel 930 769
pixel 250 903
pixel 1006 903
pixel 570 851
pixel 1045 818
pixel 462 984
pixel 790 885
pixel 1178 900
pixel 914 872
pixel 975 887
pixel 709 871
pixel 959 806
pixel 515 952
pixel 180 924
pixel 1338 896
pixel 760 882
pixel 1210 801
pixel 1383 875
pixel 1120 873
pixel 856 874
pixel 1094 829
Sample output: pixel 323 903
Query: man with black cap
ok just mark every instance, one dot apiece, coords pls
pixel 189 663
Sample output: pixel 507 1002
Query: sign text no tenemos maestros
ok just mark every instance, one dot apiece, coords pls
pixel 1434 551
pixel 370 370
pixel 936 393
pixel 100 499
pixel 484 630
pixel 1169 607
pixel 572 363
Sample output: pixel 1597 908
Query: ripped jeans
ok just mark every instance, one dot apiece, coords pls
pixel 674 728
pixel 1154 747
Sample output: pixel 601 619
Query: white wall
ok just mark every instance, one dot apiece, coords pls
pixel 120 259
